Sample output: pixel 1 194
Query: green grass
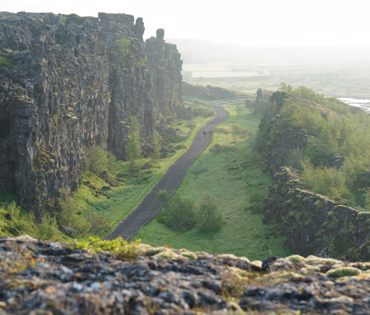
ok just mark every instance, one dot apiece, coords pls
pixel 232 178
pixel 116 203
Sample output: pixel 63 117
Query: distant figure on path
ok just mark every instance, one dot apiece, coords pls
pixel 204 132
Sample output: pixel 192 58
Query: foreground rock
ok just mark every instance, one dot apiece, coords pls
pixel 59 279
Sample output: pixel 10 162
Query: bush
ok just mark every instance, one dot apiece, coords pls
pixel 327 181
pixel 123 46
pixel 256 202
pixel 219 148
pixel 15 221
pixel 99 225
pixel 163 195
pixel 48 229
pixel 179 214
pixel 70 222
pixel 199 169
pixel 97 160
pixel 208 219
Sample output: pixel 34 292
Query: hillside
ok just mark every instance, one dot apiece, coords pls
pixel 63 279
pixel 317 150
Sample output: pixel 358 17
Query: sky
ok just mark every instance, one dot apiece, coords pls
pixel 238 22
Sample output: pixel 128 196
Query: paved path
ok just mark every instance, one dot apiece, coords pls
pixel 151 205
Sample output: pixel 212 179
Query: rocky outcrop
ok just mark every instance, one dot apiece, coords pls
pixel 165 65
pixel 42 277
pixel 276 139
pixel 315 224
pixel 312 223
pixel 68 83
pixel 208 92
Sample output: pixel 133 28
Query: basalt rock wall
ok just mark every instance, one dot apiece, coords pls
pixel 315 224
pixel 68 83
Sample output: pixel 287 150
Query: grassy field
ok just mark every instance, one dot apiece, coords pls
pixel 232 177
pixel 115 202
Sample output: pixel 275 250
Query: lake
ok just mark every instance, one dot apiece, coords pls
pixel 364 104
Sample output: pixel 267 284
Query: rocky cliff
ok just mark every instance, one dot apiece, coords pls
pixel 68 83
pixel 276 139
pixel 52 278
pixel 315 224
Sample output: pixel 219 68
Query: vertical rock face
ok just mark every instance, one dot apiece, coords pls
pixel 165 67
pixel 54 100
pixel 131 85
pixel 68 83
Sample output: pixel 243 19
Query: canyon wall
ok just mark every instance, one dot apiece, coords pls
pixel 68 83
pixel 313 223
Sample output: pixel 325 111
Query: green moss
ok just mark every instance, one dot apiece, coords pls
pixel 296 259
pixel 119 247
pixel 123 46
pixel 343 272
pixel 4 60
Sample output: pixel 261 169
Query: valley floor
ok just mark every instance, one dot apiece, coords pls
pixel 230 173
pixel 115 200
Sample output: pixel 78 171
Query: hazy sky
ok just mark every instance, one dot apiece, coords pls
pixel 243 22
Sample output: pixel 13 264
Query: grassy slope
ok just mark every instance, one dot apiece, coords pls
pixel 117 202
pixel 231 179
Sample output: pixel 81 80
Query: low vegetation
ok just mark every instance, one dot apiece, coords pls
pixel 109 190
pixel 119 248
pixel 123 46
pixel 183 215
pixel 335 159
pixel 111 193
pixel 228 184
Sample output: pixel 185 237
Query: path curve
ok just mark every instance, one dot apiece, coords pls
pixel 151 204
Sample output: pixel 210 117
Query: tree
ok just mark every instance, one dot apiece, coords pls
pixel 179 214
pixel 156 146
pixel 133 144
pixel 209 220
pixel 97 160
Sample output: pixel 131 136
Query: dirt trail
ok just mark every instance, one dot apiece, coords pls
pixel 151 204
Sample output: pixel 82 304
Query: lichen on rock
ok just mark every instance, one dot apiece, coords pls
pixel 59 278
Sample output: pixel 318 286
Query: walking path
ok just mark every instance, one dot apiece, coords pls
pixel 151 204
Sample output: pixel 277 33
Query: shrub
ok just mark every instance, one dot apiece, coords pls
pixel 99 225
pixel 48 229
pixel 256 202
pixel 179 214
pixel 123 46
pixel 133 143
pixel 326 181
pixel 199 169
pixel 156 147
pixel 219 148
pixel 16 221
pixel 163 195
pixel 70 222
pixel 97 160
pixel 208 219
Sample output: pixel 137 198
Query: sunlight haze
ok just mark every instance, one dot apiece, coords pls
pixel 247 23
